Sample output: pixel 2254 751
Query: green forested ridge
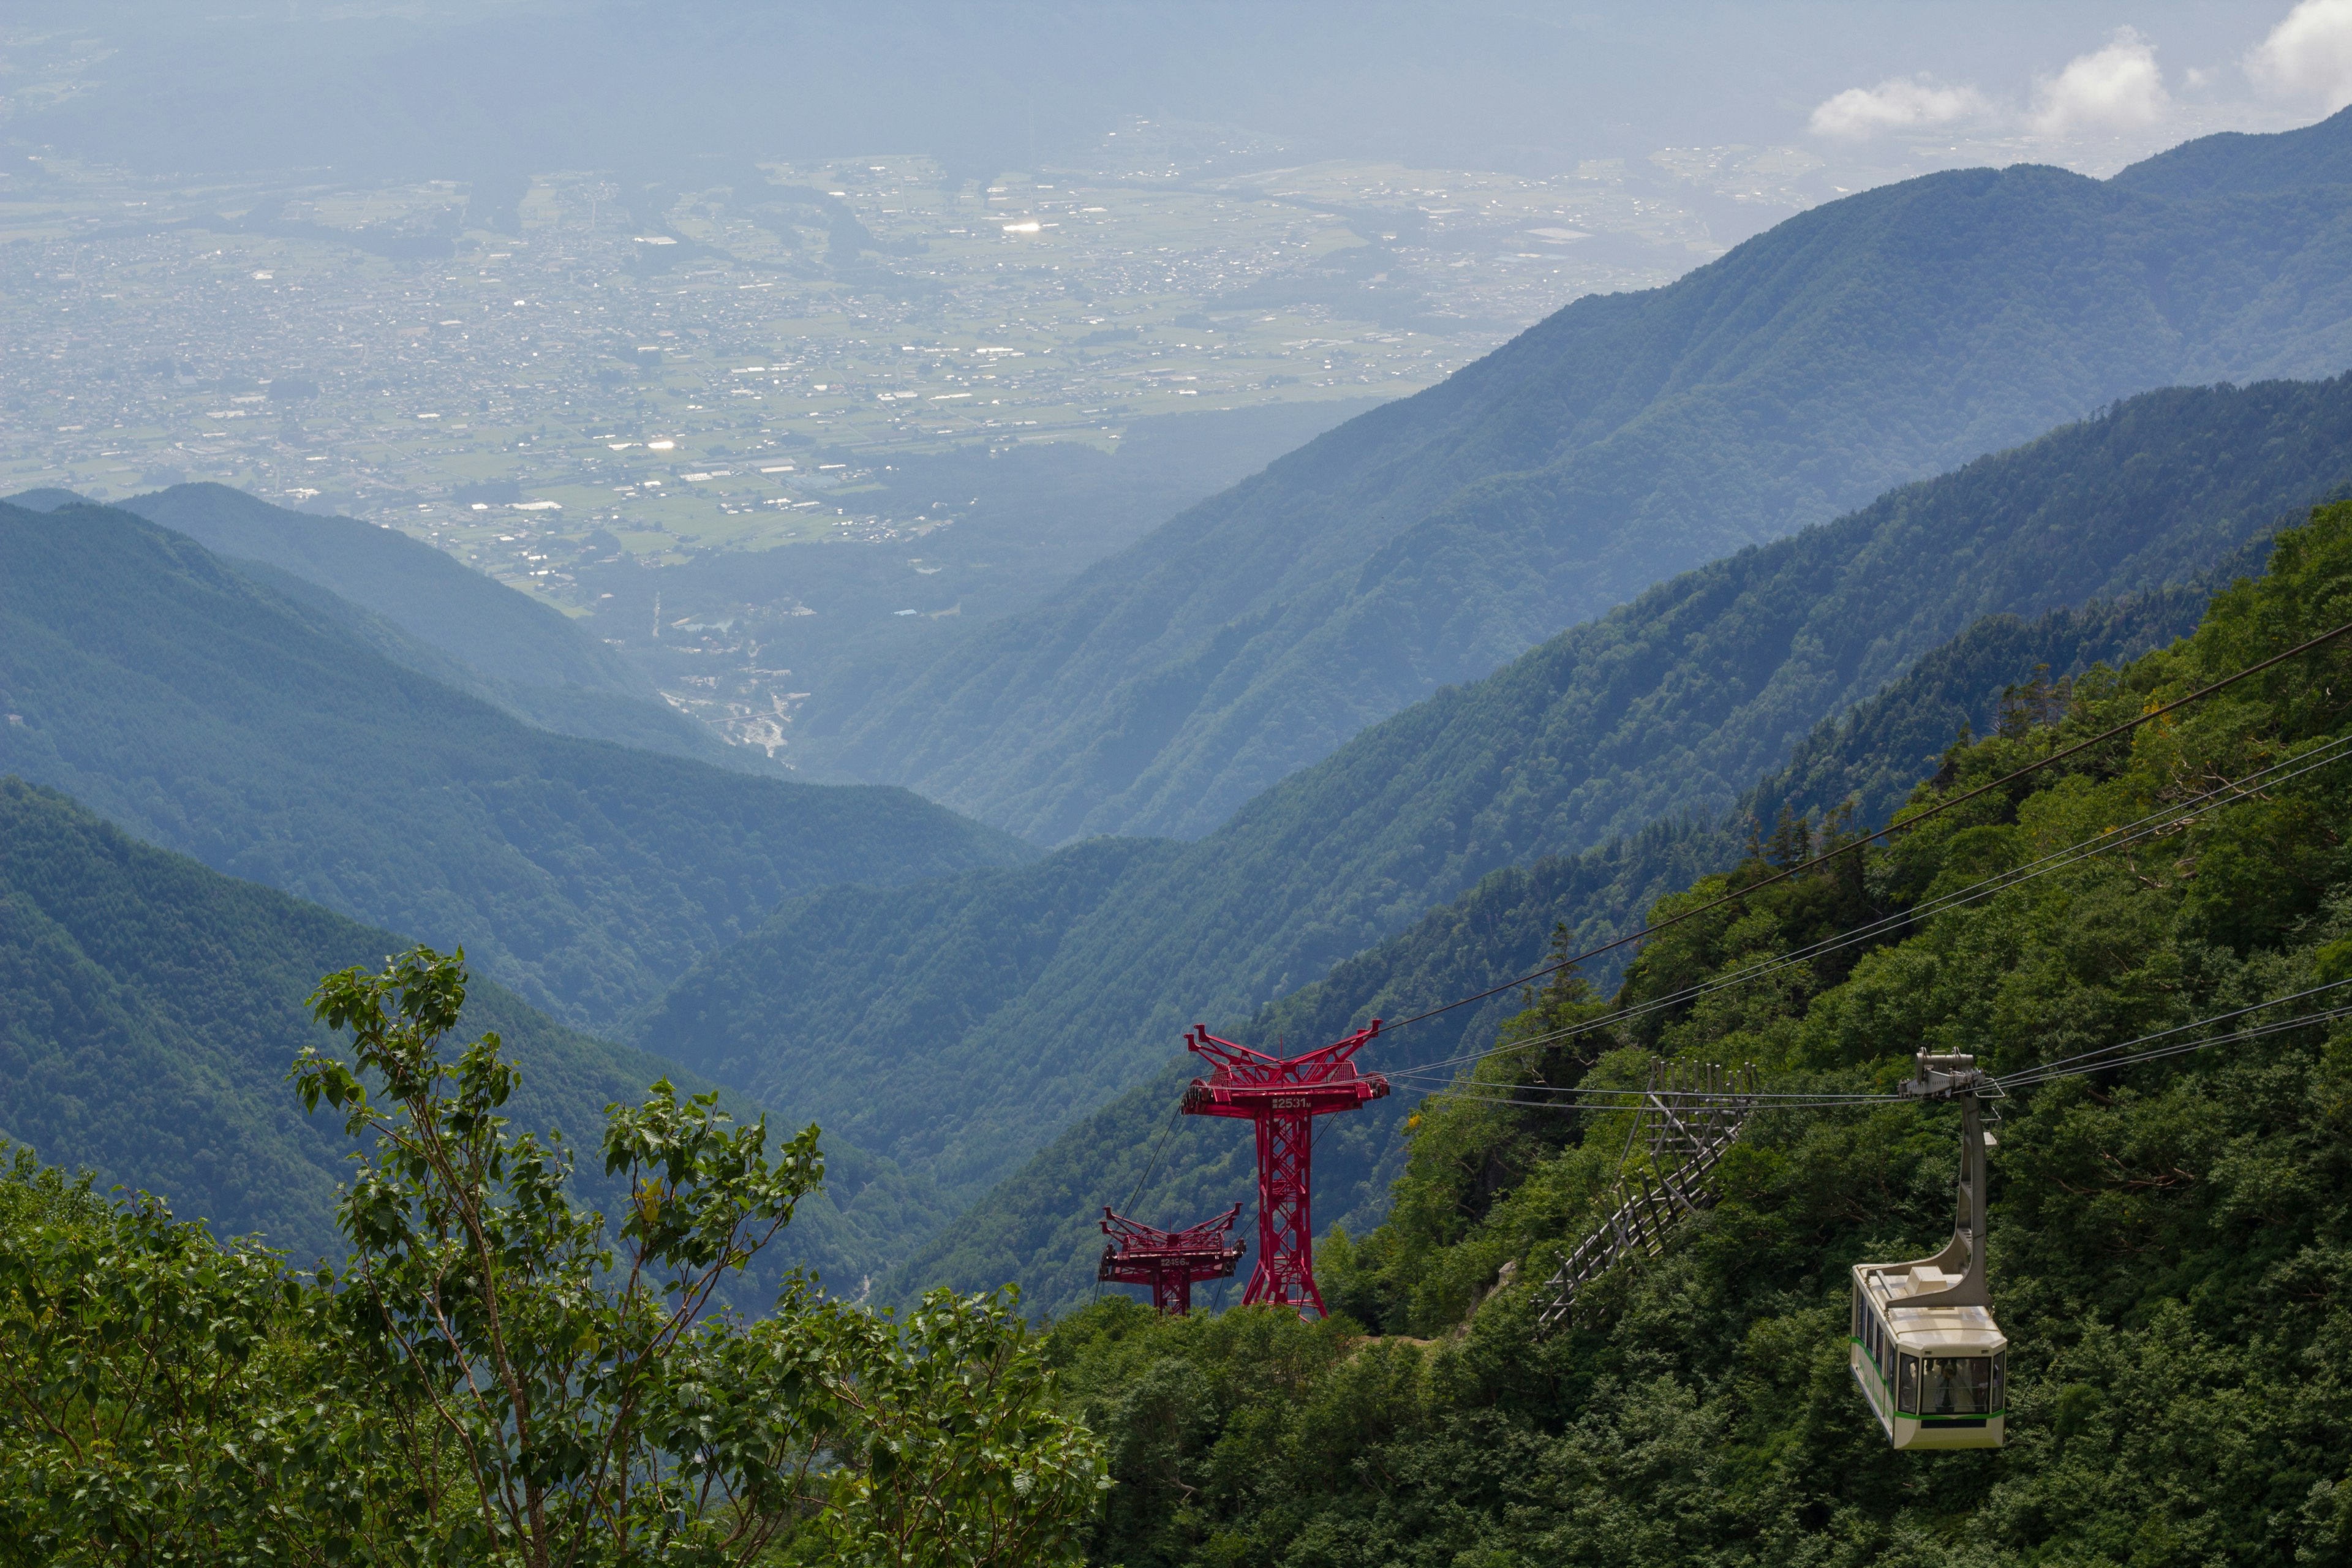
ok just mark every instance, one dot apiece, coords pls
pixel 518 653
pixel 2168 1243
pixel 151 1009
pixel 487 626
pixel 860 1009
pixel 581 710
pixel 2234 164
pixel 1670 705
pixel 1038 1225
pixel 1873 755
pixel 212 716
pixel 1871 341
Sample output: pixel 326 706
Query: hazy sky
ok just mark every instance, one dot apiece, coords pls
pixel 453 90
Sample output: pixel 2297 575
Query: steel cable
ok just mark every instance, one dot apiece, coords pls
pixel 1936 810
pixel 2108 840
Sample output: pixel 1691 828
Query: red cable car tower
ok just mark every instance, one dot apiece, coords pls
pixel 1169 1260
pixel 1282 1096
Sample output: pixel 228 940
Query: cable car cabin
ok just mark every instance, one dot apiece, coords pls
pixel 1925 1348
pixel 1937 1377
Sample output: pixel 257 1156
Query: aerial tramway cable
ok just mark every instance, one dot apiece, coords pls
pixel 2101 1060
pixel 2104 842
pixel 2086 1064
pixel 1936 810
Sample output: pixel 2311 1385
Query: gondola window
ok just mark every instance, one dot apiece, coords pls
pixel 1957 1385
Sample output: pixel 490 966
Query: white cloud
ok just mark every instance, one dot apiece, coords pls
pixel 2309 54
pixel 1901 103
pixel 2119 88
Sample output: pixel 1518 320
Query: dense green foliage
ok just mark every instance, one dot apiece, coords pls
pixel 1038 1225
pixel 213 717
pixel 1671 705
pixel 856 1007
pixel 2167 1242
pixel 1868 342
pixel 149 1008
pixel 497 1376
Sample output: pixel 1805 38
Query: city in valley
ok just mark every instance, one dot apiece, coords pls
pixel 575 381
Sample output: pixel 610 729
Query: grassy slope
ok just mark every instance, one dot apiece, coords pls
pixel 150 1009
pixel 2166 1240
pixel 213 717
pixel 1872 341
pixel 1673 704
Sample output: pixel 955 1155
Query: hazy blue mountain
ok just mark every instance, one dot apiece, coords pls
pixel 1097 958
pixel 1038 1225
pixel 150 1009
pixel 579 710
pixel 211 715
pixel 526 656
pixel 1868 342
pixel 2233 163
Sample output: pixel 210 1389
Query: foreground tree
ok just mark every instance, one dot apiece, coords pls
pixel 499 1375
pixel 152 1385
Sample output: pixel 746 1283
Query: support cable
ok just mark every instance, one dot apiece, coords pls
pixel 1913 821
pixel 2084 1066
pixel 1153 1164
pixel 2108 840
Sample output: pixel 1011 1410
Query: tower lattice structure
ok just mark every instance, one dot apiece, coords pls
pixel 1281 1096
pixel 1171 1261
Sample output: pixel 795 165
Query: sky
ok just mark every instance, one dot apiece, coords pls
pixel 430 89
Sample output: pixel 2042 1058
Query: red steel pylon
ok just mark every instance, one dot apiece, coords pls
pixel 1169 1260
pixel 1282 1096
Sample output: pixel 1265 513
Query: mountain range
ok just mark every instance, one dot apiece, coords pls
pixel 1039 1225
pixel 208 714
pixel 1874 340
pixel 150 1009
pixel 420 609
pixel 956 1025
pixel 1436 774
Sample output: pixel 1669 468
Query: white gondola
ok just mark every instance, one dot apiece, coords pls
pixel 1924 1349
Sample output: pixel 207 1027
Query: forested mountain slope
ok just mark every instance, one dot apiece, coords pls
pixel 1038 1227
pixel 526 656
pixel 150 1010
pixel 2165 1241
pixel 1674 703
pixel 2235 163
pixel 213 715
pixel 1869 341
